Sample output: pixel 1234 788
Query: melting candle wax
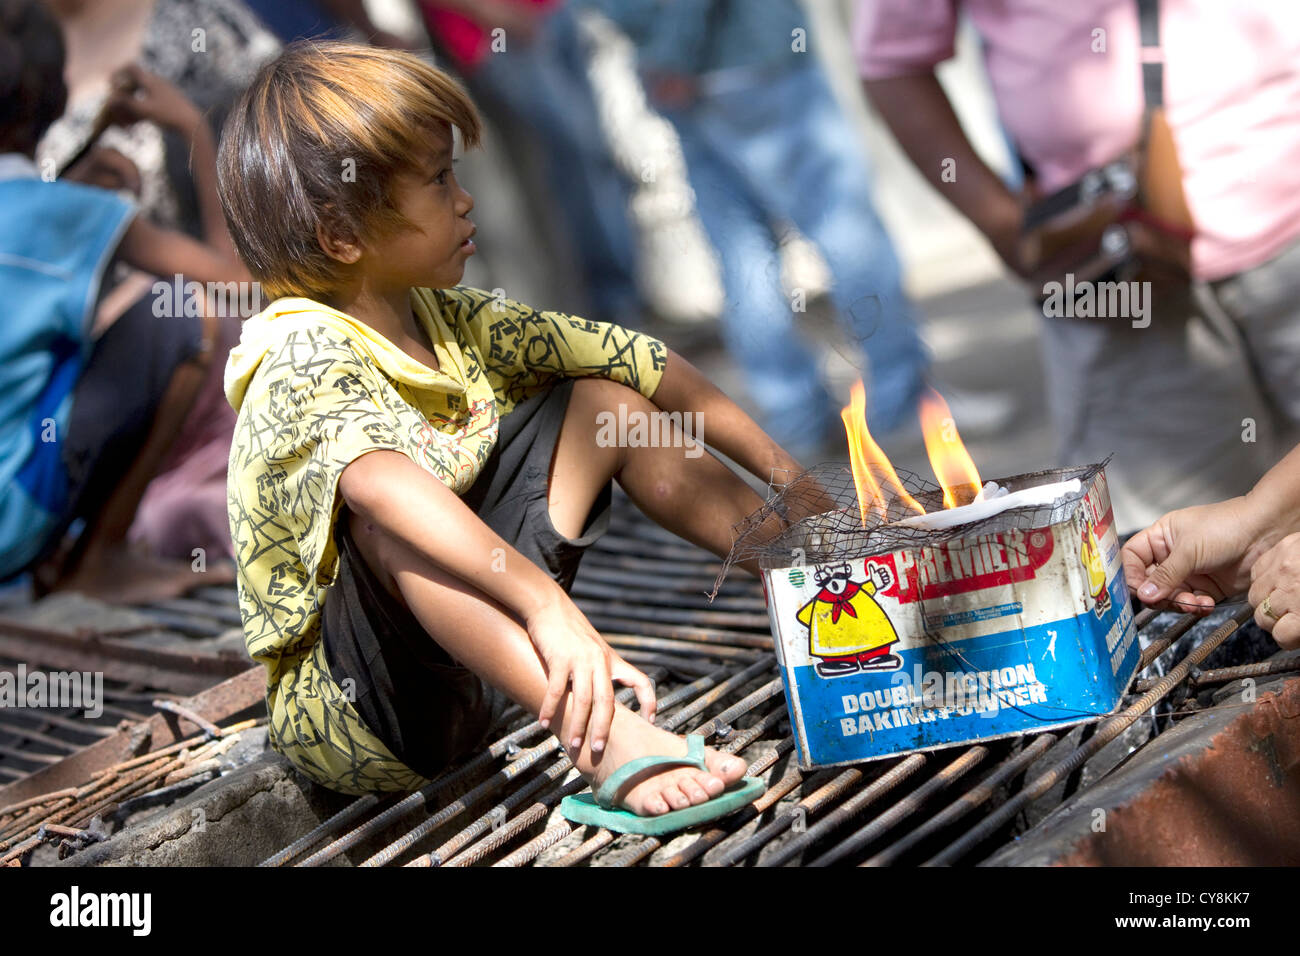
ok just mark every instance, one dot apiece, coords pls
pixel 993 499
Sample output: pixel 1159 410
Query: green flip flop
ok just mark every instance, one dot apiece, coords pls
pixel 598 809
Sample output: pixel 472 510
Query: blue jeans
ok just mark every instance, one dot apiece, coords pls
pixel 292 20
pixel 543 86
pixel 780 149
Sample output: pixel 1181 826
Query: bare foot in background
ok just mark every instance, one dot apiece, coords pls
pixel 118 575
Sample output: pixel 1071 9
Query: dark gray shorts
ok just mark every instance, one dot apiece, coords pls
pixel 427 708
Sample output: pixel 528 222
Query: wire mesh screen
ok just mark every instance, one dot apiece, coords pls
pixel 815 517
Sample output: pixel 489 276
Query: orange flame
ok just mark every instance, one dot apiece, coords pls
pixel 951 462
pixel 865 456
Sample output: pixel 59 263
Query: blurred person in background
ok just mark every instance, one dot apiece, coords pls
pixel 292 20
pixel 87 413
pixel 1188 396
pixel 767 145
pixel 525 63
pixel 209 50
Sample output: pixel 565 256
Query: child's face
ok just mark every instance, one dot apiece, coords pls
pixel 433 250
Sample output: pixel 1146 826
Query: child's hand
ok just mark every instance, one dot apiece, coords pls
pixel 106 168
pixel 574 653
pixel 140 95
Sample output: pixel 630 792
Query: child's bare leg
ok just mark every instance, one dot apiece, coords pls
pixel 487 639
pixel 697 498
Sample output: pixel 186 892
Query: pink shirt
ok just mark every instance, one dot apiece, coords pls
pixel 466 40
pixel 1232 95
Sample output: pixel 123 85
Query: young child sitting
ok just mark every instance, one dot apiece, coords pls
pixel 417 467
pixel 87 414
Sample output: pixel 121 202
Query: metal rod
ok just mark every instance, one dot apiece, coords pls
pixel 534 814
pixel 536 846
pixel 710 698
pixel 691 667
pixel 207 726
pixel 904 808
pixel 420 798
pixel 966 803
pixel 76 725
pixel 390 852
pixel 615 610
pixel 660 597
pixel 537 811
pixel 341 819
pixel 607 622
pixel 676 584
pixel 690 648
pixel 511 771
pixel 501 777
pixel 847 810
pixel 1108 731
pixel 721 724
pixel 500 813
pixel 832 790
pixel 1224 675
pixel 587 848
pixel 788 783
pixel 1144 617
pixel 61 745
pixel 37 801
pixel 743 740
pixel 31 756
pixel 1161 644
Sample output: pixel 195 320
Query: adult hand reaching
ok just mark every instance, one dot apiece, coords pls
pixel 1275 591
pixel 1194 557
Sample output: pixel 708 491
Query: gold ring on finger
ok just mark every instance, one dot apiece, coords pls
pixel 1267 609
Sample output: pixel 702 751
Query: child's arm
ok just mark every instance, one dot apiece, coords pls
pixel 392 492
pixel 166 252
pixel 140 95
pixel 726 427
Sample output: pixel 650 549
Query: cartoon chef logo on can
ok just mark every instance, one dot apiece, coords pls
pixel 847 630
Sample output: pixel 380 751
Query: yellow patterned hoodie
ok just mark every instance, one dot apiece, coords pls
pixel 314 390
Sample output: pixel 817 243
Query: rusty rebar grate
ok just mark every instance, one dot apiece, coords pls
pixel 716 675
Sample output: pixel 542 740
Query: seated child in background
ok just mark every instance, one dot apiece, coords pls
pixel 417 467
pixel 85 420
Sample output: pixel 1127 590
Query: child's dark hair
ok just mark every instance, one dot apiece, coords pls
pixel 33 93
pixel 318 138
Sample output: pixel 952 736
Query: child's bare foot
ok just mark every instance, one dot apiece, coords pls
pixel 656 791
pixel 121 576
